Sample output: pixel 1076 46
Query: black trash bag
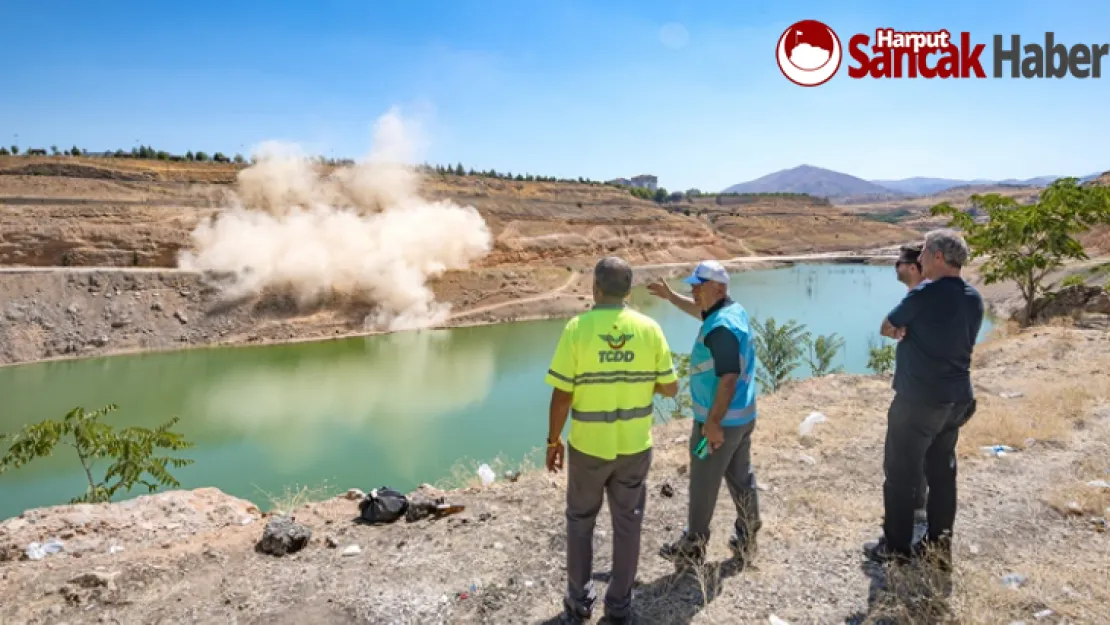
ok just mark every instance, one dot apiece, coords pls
pixel 383 505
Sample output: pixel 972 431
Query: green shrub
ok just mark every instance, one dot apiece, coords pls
pixel 132 451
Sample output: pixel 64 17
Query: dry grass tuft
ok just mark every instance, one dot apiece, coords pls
pixel 1084 494
pixel 293 497
pixel 1046 413
pixel 464 473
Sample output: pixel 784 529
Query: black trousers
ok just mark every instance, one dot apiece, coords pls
pixel 921 442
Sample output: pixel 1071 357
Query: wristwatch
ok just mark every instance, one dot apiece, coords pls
pixel 553 443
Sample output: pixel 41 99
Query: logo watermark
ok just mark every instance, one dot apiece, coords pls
pixel 809 54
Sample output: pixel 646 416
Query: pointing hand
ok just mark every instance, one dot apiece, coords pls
pixel 659 289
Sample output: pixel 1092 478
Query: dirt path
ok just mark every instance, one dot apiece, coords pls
pixel 571 281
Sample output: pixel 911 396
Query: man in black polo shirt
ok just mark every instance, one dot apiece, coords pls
pixel 936 326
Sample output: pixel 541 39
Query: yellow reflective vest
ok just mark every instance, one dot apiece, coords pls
pixel 610 358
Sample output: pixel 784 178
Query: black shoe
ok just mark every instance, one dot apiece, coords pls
pixel 628 619
pixel 685 548
pixel 570 617
pixel 937 552
pixel 744 547
pixel 880 552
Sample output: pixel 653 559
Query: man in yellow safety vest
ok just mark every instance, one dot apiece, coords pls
pixel 609 364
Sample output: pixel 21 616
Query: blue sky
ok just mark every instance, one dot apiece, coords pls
pixel 565 88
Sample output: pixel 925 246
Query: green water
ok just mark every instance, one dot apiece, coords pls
pixel 399 409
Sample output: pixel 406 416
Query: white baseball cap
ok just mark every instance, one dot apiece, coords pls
pixel 708 271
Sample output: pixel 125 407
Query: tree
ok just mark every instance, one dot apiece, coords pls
pixel 459 171
pixel 132 451
pixel 4 151
pixel 779 350
pixel 239 159
pixel 660 195
pixel 54 150
pixel 822 351
pixel 1024 243
pixel 880 357
pixel 189 155
pixel 15 150
pixel 201 156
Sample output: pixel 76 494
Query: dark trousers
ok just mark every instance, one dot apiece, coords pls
pixel 731 462
pixel 921 438
pixel 624 482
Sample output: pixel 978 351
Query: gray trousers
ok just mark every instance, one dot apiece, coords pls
pixel 624 482
pixel 732 461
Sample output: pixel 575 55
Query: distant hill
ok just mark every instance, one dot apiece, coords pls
pixel 814 181
pixel 928 186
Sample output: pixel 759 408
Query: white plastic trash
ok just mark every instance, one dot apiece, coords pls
pixel 997 450
pixel 774 620
pixel 36 551
pixel 806 428
pixel 486 474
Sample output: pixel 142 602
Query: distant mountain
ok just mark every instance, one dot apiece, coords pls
pixel 928 186
pixel 816 182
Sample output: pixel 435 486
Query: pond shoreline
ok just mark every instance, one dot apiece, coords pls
pixel 245 330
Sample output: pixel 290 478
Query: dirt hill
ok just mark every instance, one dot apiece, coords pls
pixel 1030 535
pixel 785 223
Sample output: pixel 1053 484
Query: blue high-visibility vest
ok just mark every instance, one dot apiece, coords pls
pixel 703 377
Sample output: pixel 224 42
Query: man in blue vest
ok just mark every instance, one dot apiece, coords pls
pixel 722 387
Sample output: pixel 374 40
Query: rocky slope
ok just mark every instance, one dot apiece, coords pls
pixel 1033 518
pixel 135 217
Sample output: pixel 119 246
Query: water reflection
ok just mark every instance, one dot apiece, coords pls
pixel 395 385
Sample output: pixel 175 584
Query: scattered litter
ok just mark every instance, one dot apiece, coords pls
pixel 806 428
pixel 974 549
pixel 331 542
pixel 807 459
pixel 354 494
pixel 1098 484
pixel 114 549
pixel 529 583
pixel 1075 507
pixel 1010 394
pixel 36 551
pixel 512 476
pixel 498 546
pixel 1100 524
pixel 666 490
pixel 774 620
pixel 247 520
pixel 486 474
pixel 352 550
pixel 383 505
pixel 997 450
pixel 1043 614
pixel 1013 580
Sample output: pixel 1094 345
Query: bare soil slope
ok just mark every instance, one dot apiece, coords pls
pixel 797 224
pixel 1037 513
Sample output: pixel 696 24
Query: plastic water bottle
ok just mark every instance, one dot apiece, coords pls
pixel 486 474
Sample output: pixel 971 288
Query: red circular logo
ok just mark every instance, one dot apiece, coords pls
pixel 809 53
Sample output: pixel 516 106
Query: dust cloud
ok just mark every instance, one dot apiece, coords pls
pixel 360 231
